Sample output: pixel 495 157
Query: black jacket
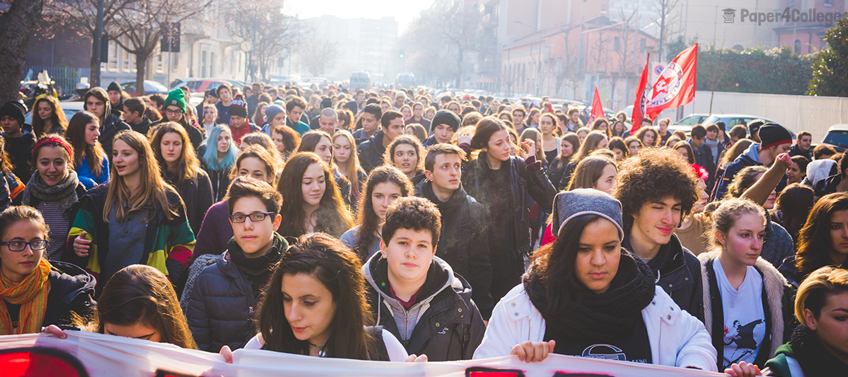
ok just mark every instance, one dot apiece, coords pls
pixel 679 274
pixel 19 150
pixel 462 243
pixel 450 327
pixel 142 127
pixel 222 304
pixel 108 129
pixel 197 197
pixel 828 185
pixel 371 152
pixel 71 290
pixel 555 171
pixel 795 151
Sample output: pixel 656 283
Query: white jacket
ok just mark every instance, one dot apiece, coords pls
pixel 677 338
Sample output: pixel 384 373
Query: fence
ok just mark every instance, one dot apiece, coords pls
pixel 797 113
pixel 65 77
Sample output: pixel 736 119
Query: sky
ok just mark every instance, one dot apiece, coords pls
pixel 402 10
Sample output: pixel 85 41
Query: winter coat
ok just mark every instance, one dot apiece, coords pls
pixel 443 324
pixel 71 290
pixel 215 231
pixel 462 243
pixel 778 245
pixel 299 127
pixel 111 126
pixel 751 157
pixel 222 305
pixel 197 196
pixel 828 185
pixel 704 158
pixel 796 151
pixel 168 243
pixel 371 152
pixel 360 137
pixel 19 150
pixel 676 337
pixel 142 127
pixel 86 175
pixel 679 276
pixel 555 171
pixel 778 306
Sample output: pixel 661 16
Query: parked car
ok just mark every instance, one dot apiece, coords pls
pixel 837 136
pixel 150 87
pixel 201 85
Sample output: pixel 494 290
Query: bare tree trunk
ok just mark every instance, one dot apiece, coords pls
pixel 140 66
pixel 15 26
pixel 94 78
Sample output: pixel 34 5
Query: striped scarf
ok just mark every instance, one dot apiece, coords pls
pixel 31 294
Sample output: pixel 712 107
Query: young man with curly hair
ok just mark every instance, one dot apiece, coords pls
pixel 657 190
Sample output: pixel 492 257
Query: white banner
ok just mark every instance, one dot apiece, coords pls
pixel 89 354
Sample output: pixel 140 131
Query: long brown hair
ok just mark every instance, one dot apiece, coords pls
pixel 75 135
pixel 368 221
pixel 589 145
pixel 740 147
pixel 333 216
pixel 814 242
pixel 338 269
pixel 795 203
pixel 142 294
pixel 641 135
pixel 58 118
pixel 588 171
pixel 153 187
pixel 484 131
pixel 310 140
pixel 262 154
pixel 351 166
pixel 187 163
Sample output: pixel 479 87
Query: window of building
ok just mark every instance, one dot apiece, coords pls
pixel 797 47
pixel 113 56
pixel 616 44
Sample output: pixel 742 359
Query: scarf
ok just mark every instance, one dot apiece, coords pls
pixel 815 360
pixel 258 270
pixel 64 192
pixel 713 145
pixel 31 294
pixel 598 317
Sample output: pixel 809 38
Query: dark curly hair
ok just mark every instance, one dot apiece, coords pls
pixel 413 213
pixel 654 174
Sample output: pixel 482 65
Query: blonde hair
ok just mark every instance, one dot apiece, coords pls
pixel 817 288
pixel 728 212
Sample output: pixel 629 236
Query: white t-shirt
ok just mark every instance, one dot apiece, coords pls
pixel 395 350
pixel 744 317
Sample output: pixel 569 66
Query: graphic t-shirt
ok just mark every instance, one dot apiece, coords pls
pixel 633 346
pixel 744 317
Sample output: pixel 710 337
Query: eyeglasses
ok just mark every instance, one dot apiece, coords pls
pixel 21 245
pixel 254 217
pixel 174 112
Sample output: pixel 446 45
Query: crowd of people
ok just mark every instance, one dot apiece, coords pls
pixel 397 226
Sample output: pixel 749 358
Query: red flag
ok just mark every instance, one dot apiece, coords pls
pixel 597 108
pixel 641 97
pixel 676 85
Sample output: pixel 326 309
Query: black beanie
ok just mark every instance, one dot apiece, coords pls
pixel 754 126
pixel 238 107
pixel 114 86
pixel 774 134
pixel 326 103
pixel 445 117
pixel 15 110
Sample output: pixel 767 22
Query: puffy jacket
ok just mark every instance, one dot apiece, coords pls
pixel 778 306
pixel 19 150
pixel 679 275
pixel 111 126
pixel 677 338
pixel 751 157
pixel 222 304
pixel 462 243
pixel 443 324
pixel 71 290
pixel 197 197
pixel 371 152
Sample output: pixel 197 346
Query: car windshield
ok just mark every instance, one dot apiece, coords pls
pixel 690 120
pixel 153 86
pixel 838 138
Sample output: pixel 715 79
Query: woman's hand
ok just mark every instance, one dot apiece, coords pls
pixel 743 369
pixel 416 359
pixel 227 354
pixel 55 331
pixel 82 245
pixel 463 139
pixel 786 159
pixel 533 352
pixel 530 146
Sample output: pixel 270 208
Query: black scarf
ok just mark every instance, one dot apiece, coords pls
pixel 599 317
pixel 261 265
pixel 64 192
pixel 815 360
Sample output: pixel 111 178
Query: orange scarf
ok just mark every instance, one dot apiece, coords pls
pixel 31 294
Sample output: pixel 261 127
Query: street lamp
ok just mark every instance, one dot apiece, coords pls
pixel 539 60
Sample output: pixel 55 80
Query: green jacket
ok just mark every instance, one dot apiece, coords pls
pixel 783 364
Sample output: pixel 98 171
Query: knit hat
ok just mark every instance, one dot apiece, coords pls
pixel 238 107
pixel 272 111
pixel 570 204
pixel 774 134
pixel 114 86
pixel 175 98
pixel 211 93
pixel 445 117
pixel 326 103
pixel 14 109
pixel 755 125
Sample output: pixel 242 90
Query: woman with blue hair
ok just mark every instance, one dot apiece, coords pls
pixel 217 157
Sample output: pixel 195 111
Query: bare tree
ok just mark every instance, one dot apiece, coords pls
pixel 666 18
pixel 263 24
pixel 317 56
pixel 17 17
pixel 142 25
pixel 80 17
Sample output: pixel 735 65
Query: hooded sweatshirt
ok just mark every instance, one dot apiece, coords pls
pixel 443 321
